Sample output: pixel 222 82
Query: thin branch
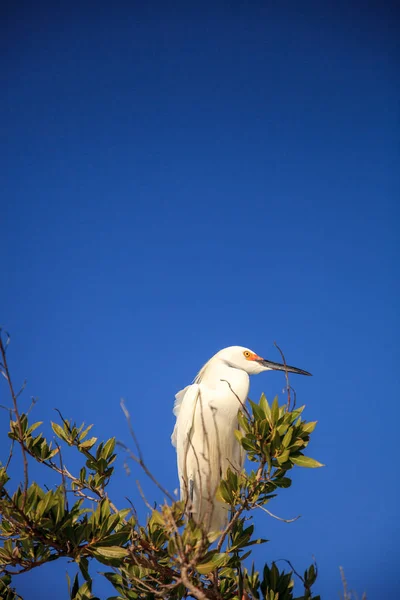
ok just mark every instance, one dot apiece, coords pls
pixel 143 496
pixel 229 527
pixel 288 387
pixel 346 595
pixel 292 567
pixel 9 455
pixel 133 509
pixel 139 458
pixel 275 516
pixel 7 375
pixel 126 467
pixel 146 470
pixel 294 397
pixel 306 585
pixel 23 386
pixel 33 565
pixel 185 470
pixel 33 402
pixel 51 465
pixel 82 495
pixel 131 431
pixel 242 404
pixel 195 591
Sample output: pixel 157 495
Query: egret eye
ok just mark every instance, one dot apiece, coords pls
pixel 246 353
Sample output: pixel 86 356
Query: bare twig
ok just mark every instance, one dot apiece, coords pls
pixel 307 586
pixel 288 387
pixel 143 496
pixel 23 386
pixel 133 456
pixel 292 567
pixel 231 523
pixel 9 455
pixel 131 431
pixel 33 402
pixel 6 373
pixel 133 509
pixel 139 458
pixel 294 397
pixel 346 595
pixel 185 469
pixel 83 495
pixel 242 404
pixel 195 591
pixel 275 516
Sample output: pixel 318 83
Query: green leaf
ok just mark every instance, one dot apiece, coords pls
pixel 311 575
pixel 243 421
pixel 34 426
pixel 254 542
pixel 108 448
pixel 224 492
pixel 257 411
pixel 287 438
pixel 296 413
pixel 88 444
pixel 299 443
pixel 275 410
pixel 85 432
pixel 265 406
pixel 264 427
pixel 84 567
pixel 247 445
pixel 112 552
pixel 115 539
pixel 84 592
pixel 52 453
pixel 282 458
pixel 282 429
pixel 59 431
pixel 305 461
pixel 238 435
pixel 215 561
pixel 105 509
pixel 308 427
pixel 44 504
pixel 75 586
pixel 283 482
pixel 157 518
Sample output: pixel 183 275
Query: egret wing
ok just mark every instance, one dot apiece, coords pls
pixel 177 407
pixel 206 446
pixel 184 409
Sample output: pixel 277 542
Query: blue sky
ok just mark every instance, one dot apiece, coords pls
pixel 176 180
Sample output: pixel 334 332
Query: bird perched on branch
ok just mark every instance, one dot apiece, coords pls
pixel 206 419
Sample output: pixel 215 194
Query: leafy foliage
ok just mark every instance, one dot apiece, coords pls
pixel 170 556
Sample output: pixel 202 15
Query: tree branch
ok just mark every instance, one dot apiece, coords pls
pixel 6 374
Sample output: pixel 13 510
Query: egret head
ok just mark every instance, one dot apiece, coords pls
pixel 247 360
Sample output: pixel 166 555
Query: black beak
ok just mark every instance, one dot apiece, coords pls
pixel 278 367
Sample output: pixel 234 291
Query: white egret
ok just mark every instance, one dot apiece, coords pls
pixel 206 418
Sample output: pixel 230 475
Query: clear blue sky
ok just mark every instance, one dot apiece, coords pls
pixel 176 180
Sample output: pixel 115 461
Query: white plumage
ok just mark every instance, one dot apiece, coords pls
pixel 206 418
